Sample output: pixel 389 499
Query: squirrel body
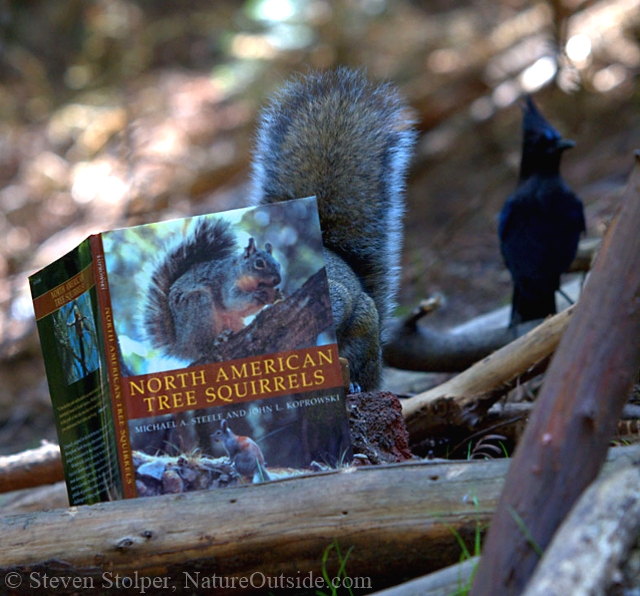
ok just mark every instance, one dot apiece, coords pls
pixel 205 287
pixel 348 142
pixel 244 453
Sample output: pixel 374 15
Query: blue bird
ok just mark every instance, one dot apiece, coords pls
pixel 541 222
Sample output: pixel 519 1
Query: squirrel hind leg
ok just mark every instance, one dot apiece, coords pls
pixel 357 324
pixel 358 335
pixel 365 363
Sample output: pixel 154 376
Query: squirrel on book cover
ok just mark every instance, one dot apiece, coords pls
pixel 243 452
pixel 336 136
pixel 205 288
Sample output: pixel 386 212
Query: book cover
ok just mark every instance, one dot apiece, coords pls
pixel 68 318
pixel 208 347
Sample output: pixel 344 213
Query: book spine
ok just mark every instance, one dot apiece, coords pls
pixel 112 352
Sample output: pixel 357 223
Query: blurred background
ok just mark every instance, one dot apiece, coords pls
pixel 119 112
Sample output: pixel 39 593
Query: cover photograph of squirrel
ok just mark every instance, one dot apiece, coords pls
pixel 244 453
pixel 206 287
pixel 345 140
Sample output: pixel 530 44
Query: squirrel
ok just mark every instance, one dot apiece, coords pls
pixel 347 141
pixel 204 288
pixel 243 452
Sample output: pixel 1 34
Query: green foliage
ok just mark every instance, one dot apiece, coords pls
pixel 341 574
pixel 525 531
pixel 463 588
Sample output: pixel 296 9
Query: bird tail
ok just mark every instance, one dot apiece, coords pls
pixel 529 304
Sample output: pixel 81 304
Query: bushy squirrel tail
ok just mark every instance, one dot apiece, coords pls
pixel 347 141
pixel 210 240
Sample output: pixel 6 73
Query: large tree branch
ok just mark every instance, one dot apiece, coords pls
pixel 417 347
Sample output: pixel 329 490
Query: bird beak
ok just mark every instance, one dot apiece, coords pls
pixel 565 144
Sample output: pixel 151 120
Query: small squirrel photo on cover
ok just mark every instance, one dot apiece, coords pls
pixel 243 453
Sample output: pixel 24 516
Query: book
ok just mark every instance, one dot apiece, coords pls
pixel 156 388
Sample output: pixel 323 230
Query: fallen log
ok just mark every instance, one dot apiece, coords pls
pixel 588 549
pixel 449 581
pixel 419 348
pixel 416 347
pixel 399 519
pixel 31 468
pixel 465 398
pixel 39 498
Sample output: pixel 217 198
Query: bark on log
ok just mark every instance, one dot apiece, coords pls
pixel 399 519
pixel 575 416
pixel 590 546
pixel 40 498
pixel 378 432
pixel 416 347
pixel 32 467
pixel 464 399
